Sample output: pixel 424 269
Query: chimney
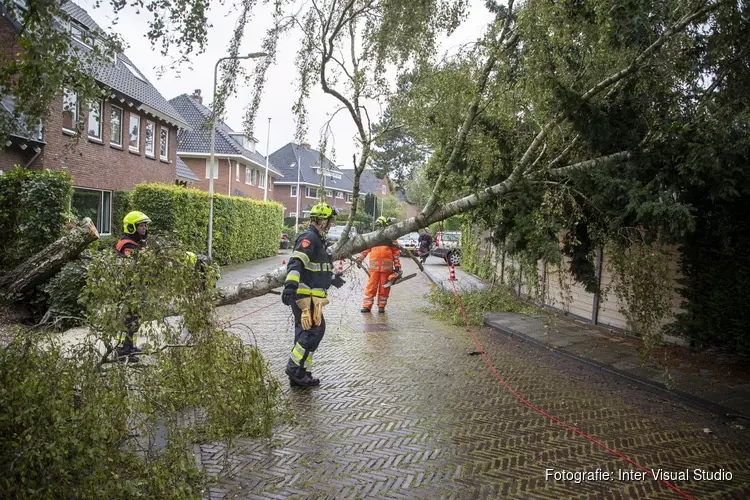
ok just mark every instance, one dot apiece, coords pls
pixel 197 96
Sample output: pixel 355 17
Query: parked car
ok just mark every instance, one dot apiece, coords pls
pixel 448 247
pixel 284 242
pixel 409 242
pixel 334 234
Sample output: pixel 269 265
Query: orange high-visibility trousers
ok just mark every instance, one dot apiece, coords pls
pixel 375 288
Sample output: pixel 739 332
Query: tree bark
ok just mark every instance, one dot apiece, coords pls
pixel 50 260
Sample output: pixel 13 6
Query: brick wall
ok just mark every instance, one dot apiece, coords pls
pixel 14 155
pixel 282 195
pixel 227 178
pixel 99 164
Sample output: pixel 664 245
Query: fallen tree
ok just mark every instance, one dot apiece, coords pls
pixel 46 263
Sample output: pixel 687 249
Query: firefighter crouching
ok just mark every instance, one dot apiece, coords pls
pixel 309 275
pixel 384 266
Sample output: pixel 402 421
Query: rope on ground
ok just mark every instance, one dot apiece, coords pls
pixel 542 412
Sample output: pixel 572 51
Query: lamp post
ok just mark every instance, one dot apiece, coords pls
pixel 212 159
pixel 299 168
pixel 268 140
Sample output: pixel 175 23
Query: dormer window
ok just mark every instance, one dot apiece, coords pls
pixel 135 72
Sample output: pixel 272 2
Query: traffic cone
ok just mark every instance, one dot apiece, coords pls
pixel 452 273
pixel 283 261
pixel 340 266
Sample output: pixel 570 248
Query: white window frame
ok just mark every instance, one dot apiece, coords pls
pixel 111 136
pixel 329 193
pixel 208 168
pixel 92 104
pixel 382 189
pixel 164 141
pixel 292 214
pixel 349 198
pixel 237 172
pixel 261 179
pixel 137 148
pixel 307 193
pixel 248 176
pixel 100 215
pixel 150 126
pixel 339 194
pixel 67 95
pixel 293 191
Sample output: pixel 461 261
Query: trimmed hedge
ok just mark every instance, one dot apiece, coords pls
pixel 34 205
pixel 244 229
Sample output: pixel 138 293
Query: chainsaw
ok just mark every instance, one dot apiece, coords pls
pixel 395 279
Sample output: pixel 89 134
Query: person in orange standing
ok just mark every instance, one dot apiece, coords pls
pixel 384 265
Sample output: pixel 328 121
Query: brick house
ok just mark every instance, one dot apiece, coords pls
pixel 127 138
pixel 338 183
pixel 241 169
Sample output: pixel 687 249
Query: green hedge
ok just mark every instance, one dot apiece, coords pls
pixel 34 205
pixel 244 229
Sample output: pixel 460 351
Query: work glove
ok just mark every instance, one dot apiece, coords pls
pixel 337 281
pixel 288 296
pixel 305 317
pixel 318 303
pixel 359 258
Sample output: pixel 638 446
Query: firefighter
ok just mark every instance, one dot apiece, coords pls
pixel 135 232
pixel 309 275
pixel 384 266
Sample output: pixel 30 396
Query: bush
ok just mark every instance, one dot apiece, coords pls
pixel 34 205
pixel 122 203
pixel 244 229
pixel 476 303
pixel 63 292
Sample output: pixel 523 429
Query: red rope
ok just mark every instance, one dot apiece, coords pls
pixel 248 314
pixel 542 412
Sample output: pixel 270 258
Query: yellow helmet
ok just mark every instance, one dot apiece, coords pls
pixel 132 219
pixel 382 222
pixel 322 211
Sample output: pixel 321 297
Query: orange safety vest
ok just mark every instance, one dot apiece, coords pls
pixel 383 258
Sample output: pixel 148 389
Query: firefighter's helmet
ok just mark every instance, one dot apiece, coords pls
pixel 131 220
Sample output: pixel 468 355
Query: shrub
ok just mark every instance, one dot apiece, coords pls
pixel 244 229
pixel 476 303
pixel 34 205
pixel 63 291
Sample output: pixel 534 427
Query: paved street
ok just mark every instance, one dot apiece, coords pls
pixel 408 409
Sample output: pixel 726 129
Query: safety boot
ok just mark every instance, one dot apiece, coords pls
pixel 303 380
pixel 365 310
pixel 381 309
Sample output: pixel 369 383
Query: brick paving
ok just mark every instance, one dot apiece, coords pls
pixel 407 409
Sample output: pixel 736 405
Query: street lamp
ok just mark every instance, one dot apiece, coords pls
pixel 299 168
pixel 212 159
pixel 268 141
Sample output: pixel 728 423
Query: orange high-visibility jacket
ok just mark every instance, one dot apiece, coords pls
pixel 383 258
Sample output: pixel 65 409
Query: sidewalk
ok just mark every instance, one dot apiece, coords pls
pixel 720 386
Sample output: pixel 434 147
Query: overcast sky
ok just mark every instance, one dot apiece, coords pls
pixel 280 90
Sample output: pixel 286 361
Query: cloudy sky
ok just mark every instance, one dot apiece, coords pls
pixel 280 91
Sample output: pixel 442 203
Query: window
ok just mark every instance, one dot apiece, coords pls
pixel 292 214
pixel 150 128
pixel 134 71
pixel 164 143
pixel 349 198
pixel 382 189
pixel 96 205
pixel 237 172
pixel 215 168
pixel 135 132
pixel 293 191
pixel 95 120
pixel 312 192
pixel 329 193
pixel 115 134
pixel 339 194
pixel 70 110
pixel 248 176
pixel 261 179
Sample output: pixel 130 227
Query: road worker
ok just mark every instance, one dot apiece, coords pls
pixel 309 275
pixel 384 266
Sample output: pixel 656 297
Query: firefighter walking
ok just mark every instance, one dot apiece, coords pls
pixel 309 275
pixel 384 266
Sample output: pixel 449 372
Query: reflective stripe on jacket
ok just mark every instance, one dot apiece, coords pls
pixel 384 257
pixel 309 269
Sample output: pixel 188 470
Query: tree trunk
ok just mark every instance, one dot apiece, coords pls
pixel 50 260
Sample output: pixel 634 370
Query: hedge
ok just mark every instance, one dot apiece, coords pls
pixel 34 205
pixel 244 229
